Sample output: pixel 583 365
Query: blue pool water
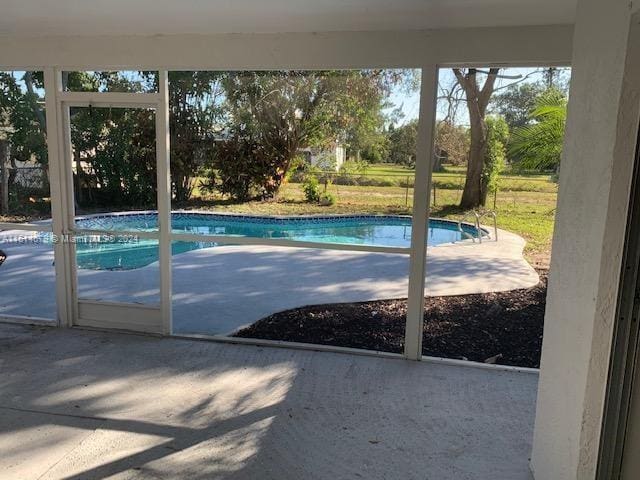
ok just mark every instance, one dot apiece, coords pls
pixel 121 252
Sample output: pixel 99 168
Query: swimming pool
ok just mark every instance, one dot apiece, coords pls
pixel 124 253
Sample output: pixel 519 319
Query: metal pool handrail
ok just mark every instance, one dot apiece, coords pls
pixel 477 218
pixel 476 222
pixel 490 213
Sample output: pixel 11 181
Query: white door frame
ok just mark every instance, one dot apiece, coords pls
pixel 104 314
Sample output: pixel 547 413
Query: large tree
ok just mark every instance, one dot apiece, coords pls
pixel 22 121
pixel 272 115
pixel 114 157
pixel 113 148
pixel 516 102
pixel 195 109
pixel 22 126
pixel 402 144
pixel 195 106
pixel 477 99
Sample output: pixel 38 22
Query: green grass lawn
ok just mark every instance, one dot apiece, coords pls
pixel 389 170
pixel 524 205
pixel 452 177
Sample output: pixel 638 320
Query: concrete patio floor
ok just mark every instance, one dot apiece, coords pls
pixel 86 405
pixel 219 290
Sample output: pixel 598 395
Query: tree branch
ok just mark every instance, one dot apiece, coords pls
pixel 487 89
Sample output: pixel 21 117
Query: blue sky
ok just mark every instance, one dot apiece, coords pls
pixel 409 102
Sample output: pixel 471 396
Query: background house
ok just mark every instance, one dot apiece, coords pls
pixel 325 158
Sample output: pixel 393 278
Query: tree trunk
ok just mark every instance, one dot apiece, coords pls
pixel 474 194
pixel 437 160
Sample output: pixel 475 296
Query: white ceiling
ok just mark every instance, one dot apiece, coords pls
pixel 149 17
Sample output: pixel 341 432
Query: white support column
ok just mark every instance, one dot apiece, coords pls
pixel 164 201
pixel 69 205
pixel 588 242
pixel 59 194
pixel 422 187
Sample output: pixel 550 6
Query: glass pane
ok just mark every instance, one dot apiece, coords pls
pixel 27 274
pixel 115 174
pixel 291 294
pixel 292 143
pixel 118 268
pixel 131 81
pixel 114 168
pixel 24 166
pixel 486 292
pixel 321 156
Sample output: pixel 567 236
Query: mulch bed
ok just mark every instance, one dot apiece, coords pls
pixel 503 328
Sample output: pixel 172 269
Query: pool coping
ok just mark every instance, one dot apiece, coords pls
pixel 338 216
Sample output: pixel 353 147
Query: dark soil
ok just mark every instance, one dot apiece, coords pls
pixel 503 328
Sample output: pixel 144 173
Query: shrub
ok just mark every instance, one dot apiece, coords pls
pixel 297 177
pixel 311 189
pixel 295 174
pixel 244 169
pixel 326 199
pixel 495 157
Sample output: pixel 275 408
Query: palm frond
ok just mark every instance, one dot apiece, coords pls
pixel 538 146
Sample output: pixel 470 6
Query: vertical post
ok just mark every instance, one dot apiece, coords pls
pixel 61 193
pixel 419 231
pixel 4 177
pixel 406 193
pixel 164 201
pixel 69 204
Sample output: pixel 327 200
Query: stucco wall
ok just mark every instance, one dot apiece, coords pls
pixel 587 245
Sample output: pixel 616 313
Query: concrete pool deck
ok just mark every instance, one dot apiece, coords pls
pixel 81 405
pixel 220 289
